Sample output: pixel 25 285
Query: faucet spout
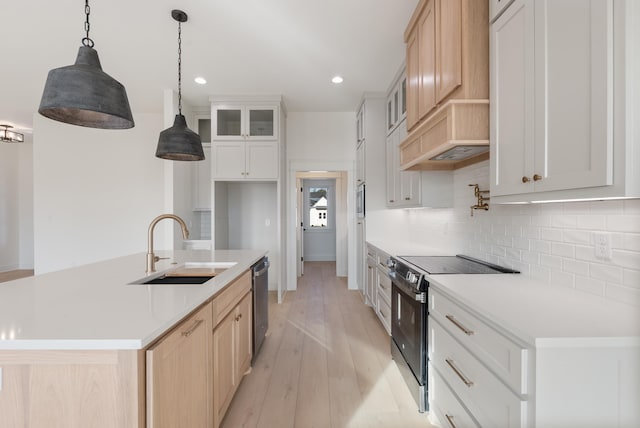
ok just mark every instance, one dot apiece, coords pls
pixel 151 257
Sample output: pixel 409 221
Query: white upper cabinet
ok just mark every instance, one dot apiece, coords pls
pixel 397 104
pixel 239 160
pixel 241 122
pixel 552 101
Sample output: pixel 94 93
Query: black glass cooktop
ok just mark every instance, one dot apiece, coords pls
pixel 459 264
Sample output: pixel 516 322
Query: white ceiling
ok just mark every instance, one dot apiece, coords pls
pixel 288 47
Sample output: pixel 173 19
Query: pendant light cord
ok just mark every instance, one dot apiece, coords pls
pixel 180 67
pixel 86 41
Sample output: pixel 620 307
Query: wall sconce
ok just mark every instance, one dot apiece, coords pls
pixel 8 136
pixel 481 203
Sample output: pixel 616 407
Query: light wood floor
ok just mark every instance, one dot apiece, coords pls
pixel 15 274
pixel 325 363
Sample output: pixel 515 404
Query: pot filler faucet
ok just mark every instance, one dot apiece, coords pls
pixel 152 258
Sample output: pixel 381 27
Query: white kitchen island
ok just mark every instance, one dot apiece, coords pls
pixel 84 347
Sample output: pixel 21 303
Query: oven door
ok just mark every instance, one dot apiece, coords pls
pixel 409 325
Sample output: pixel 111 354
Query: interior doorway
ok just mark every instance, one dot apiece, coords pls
pixel 318 220
pixel 316 191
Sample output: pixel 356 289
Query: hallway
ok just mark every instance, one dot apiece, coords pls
pixel 325 363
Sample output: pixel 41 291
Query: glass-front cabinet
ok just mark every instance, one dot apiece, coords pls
pixel 240 122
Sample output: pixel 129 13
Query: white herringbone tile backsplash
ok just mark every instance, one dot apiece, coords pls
pixel 551 242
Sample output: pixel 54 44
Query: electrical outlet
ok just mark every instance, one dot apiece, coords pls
pixel 602 249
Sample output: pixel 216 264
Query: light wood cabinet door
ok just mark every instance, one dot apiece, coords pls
pixel 244 336
pixel 179 375
pixel 413 79
pixel 232 352
pixel 448 46
pixel 427 60
pixel 224 374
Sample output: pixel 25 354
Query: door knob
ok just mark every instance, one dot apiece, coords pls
pixel 537 177
pixel 525 179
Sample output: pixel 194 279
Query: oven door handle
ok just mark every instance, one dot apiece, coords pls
pixel 407 289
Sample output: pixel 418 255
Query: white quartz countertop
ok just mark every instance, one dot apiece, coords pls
pixel 543 315
pixel 539 314
pixel 95 307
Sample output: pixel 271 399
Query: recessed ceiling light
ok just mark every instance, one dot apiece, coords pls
pixel 200 80
pixel 337 79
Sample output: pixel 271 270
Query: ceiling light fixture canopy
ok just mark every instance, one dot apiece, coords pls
pixel 10 136
pixel 84 95
pixel 179 142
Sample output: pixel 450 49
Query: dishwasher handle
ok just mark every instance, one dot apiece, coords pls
pixel 263 270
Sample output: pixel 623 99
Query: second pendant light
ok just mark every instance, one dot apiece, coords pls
pixel 179 142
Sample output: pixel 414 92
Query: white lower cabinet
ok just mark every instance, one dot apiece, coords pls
pixel 378 291
pixel 446 407
pixel 484 394
pixel 487 373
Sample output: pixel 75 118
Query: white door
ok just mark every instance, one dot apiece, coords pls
pixel 319 222
pixel 228 160
pixel 300 227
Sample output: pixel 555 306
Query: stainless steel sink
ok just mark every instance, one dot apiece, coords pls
pixel 190 273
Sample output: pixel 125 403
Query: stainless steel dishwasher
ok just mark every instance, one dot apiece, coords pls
pixel 260 286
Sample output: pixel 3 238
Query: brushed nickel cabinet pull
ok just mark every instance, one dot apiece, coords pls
pixel 459 373
pixel 460 326
pixel 450 420
pixel 196 324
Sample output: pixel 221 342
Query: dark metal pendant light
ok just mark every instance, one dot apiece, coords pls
pixel 82 94
pixel 179 142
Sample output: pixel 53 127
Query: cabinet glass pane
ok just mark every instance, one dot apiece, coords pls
pixel 403 100
pixel 261 122
pixel 229 122
pixel 389 115
pixel 395 107
pixel 204 130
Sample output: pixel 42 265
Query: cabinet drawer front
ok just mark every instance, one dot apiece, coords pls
pixel 384 286
pixel 486 397
pixel 505 358
pixel 449 411
pixel 384 312
pixel 228 298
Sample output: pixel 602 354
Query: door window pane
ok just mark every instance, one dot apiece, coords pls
pixel 318 204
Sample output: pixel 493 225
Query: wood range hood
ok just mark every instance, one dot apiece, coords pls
pixel 454 136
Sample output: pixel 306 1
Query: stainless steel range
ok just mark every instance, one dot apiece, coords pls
pixel 409 311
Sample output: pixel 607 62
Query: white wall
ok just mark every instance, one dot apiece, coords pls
pixel 251 220
pixel 95 191
pixel 25 203
pixel 321 136
pixel 321 141
pixel 551 242
pixel 9 210
pixel 16 206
